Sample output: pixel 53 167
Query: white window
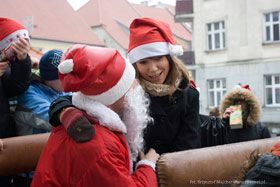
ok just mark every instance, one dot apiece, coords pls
pixel 216 91
pixel 271 29
pixel 216 35
pixel 272 90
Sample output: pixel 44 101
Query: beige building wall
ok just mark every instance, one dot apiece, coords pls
pixel 243 27
pixel 108 40
pixel 46 45
pixel 246 59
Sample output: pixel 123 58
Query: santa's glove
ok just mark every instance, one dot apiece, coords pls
pixel 77 125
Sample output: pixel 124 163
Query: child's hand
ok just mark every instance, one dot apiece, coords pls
pixel 227 112
pixel 21 48
pixel 3 67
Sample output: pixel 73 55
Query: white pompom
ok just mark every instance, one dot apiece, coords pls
pixel 66 66
pixel 176 50
pixel 236 87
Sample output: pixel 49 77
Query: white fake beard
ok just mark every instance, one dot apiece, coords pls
pixel 135 116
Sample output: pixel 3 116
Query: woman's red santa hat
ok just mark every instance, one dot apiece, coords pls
pixel 150 37
pixel 245 86
pixel 11 31
pixel 99 73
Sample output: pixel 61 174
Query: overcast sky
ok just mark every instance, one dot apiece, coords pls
pixel 76 4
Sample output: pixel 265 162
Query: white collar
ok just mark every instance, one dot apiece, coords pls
pixel 106 117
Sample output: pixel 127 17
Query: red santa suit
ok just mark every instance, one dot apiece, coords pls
pixel 98 77
pixel 103 161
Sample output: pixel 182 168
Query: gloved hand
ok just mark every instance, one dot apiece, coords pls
pixel 77 125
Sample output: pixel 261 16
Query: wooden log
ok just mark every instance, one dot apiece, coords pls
pixel 21 154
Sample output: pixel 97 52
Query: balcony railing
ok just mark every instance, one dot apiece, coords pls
pixel 187 58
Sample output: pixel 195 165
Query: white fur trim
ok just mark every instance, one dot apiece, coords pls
pixel 236 87
pixel 153 49
pixel 176 50
pixel 148 50
pixel 105 116
pixel 6 41
pixel 119 90
pixel 146 162
pixel 66 66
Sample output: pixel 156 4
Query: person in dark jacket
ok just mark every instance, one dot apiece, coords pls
pixel 262 169
pixel 252 128
pixel 174 100
pixel 15 73
pixel 31 115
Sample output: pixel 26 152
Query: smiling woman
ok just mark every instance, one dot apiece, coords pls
pixel 174 100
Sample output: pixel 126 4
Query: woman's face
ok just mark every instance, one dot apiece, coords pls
pixel 154 69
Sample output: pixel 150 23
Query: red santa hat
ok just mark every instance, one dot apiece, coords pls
pixel 150 37
pixel 11 31
pixel 245 86
pixel 100 73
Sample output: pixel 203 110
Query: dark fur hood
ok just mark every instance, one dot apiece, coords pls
pixel 248 96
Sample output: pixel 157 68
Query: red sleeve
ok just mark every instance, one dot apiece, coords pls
pixel 112 170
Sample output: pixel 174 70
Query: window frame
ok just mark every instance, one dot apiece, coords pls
pixel 273 87
pixel 221 31
pixel 270 24
pixel 222 90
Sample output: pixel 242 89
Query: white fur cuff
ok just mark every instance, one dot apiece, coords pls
pixel 146 162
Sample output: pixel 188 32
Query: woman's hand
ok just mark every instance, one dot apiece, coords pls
pixel 227 112
pixel 21 48
pixel 151 155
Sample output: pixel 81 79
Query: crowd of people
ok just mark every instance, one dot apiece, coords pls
pixel 110 118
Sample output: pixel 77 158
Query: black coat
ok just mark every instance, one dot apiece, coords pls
pixel 176 123
pixel 254 132
pixel 266 172
pixel 14 81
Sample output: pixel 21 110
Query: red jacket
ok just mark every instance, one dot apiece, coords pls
pixel 103 161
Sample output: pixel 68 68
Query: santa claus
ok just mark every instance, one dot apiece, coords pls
pixel 104 87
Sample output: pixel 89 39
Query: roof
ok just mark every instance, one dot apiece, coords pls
pixel 56 20
pixel 110 15
pixel 163 14
pixel 52 19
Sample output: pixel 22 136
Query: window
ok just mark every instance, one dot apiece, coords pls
pixel 272 90
pixel 271 29
pixel 216 35
pixel 216 91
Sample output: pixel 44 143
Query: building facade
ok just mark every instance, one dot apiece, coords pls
pixel 236 42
